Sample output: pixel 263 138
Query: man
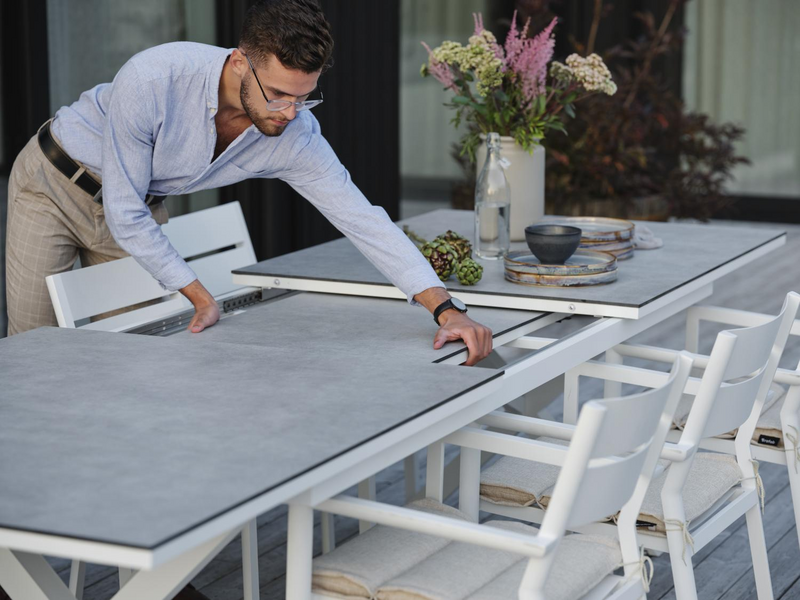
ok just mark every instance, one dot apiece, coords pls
pixel 184 117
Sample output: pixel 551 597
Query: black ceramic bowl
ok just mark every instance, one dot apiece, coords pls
pixel 552 244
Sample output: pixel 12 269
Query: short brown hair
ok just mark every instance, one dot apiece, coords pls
pixel 294 31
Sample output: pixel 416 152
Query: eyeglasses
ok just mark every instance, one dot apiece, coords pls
pixel 278 105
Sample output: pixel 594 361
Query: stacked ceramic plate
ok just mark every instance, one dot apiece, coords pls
pixel 585 267
pixel 601 234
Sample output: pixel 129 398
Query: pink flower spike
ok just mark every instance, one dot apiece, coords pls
pixel 530 59
pixel 478 18
pixel 440 71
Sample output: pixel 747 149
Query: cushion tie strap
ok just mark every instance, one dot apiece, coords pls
pixel 646 569
pixel 682 526
pixel 795 449
pixel 759 484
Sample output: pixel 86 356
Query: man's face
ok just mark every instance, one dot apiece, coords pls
pixel 278 83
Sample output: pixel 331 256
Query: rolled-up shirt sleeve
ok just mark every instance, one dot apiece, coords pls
pixel 127 167
pixel 317 174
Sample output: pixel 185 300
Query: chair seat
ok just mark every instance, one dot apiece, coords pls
pixel 518 482
pixel 712 475
pixel 515 481
pixel 392 564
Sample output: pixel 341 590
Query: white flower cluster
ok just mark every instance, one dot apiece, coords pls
pixel 591 72
pixel 478 56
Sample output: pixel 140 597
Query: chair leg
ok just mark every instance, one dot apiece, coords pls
pixel 366 490
pixel 77 575
pixel 328 533
pixel 680 559
pixel 790 424
pixel 299 551
pixel 470 479
pixel 411 476
pixel 794 486
pixel 250 560
pixel 758 551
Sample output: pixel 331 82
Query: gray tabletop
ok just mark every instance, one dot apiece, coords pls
pixel 690 251
pixel 385 333
pixel 134 440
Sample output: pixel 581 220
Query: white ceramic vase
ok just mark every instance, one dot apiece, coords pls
pixel 525 177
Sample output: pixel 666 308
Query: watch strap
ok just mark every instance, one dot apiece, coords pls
pixel 446 305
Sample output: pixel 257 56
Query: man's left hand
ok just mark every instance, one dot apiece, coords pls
pixel 455 326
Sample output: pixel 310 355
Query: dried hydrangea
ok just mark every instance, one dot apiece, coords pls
pixel 591 72
pixel 561 72
pixel 478 56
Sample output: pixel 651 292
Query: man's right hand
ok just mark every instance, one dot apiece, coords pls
pixel 206 308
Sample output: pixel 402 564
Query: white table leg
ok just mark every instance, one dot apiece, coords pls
pixel 125 576
pixel 77 578
pixel 250 560
pixel 166 580
pixel 299 552
pixel 26 576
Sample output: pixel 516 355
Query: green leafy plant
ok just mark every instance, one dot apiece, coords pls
pixel 645 147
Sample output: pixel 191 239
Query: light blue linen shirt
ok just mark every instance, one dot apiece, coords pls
pixel 152 131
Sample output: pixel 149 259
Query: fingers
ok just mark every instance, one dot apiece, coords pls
pixel 196 325
pixel 475 347
pixel 476 337
pixel 443 336
pixel 203 320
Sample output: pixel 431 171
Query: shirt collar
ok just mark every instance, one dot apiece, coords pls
pixel 212 81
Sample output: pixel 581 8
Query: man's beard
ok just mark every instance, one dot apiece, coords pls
pixel 261 123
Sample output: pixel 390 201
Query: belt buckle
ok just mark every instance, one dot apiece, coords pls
pixel 98 197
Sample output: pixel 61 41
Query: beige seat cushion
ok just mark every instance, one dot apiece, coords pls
pixel 456 571
pixel 581 563
pixel 518 482
pixel 359 567
pixel 710 478
pixel 466 571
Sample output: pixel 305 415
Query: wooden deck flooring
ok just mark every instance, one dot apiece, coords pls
pixel 722 569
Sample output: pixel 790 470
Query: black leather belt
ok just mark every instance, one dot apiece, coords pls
pixel 61 161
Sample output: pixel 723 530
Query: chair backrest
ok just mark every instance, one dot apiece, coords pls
pixel 213 241
pixel 736 381
pixel 614 451
pixel 610 447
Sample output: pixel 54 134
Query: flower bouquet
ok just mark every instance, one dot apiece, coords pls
pixel 506 88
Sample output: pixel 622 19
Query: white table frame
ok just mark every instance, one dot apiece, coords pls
pixel 161 571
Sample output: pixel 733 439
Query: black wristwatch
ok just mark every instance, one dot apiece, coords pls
pixel 453 303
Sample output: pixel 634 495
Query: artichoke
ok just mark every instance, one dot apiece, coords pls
pixel 459 243
pixel 442 257
pixel 469 272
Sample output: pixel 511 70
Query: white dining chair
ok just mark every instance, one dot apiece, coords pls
pixel 429 550
pixel 696 496
pixel 213 242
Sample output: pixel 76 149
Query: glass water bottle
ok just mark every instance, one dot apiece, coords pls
pixel 492 204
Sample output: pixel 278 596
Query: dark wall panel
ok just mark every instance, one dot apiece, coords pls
pixel 26 93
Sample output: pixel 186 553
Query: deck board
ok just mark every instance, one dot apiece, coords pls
pixel 722 568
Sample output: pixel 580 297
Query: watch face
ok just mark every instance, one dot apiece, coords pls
pixel 459 304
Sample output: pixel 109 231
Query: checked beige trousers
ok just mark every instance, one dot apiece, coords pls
pixel 51 222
